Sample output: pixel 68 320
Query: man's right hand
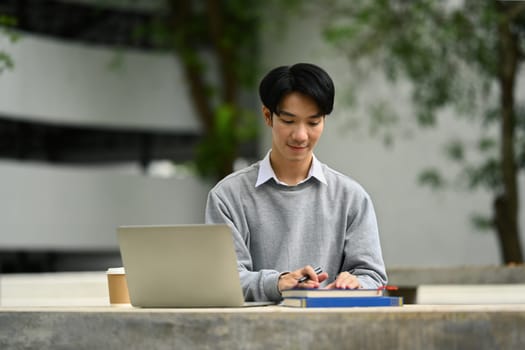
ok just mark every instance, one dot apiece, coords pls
pixel 291 279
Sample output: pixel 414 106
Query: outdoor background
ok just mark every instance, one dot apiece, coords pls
pixel 64 213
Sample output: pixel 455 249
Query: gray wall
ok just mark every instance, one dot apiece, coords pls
pixel 60 207
pixel 66 82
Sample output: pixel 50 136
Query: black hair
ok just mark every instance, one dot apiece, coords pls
pixel 305 78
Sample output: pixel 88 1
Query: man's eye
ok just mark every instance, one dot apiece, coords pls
pixel 314 123
pixel 287 121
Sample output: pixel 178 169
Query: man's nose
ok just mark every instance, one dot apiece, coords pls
pixel 300 133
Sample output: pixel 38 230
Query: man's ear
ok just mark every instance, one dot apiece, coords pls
pixel 267 116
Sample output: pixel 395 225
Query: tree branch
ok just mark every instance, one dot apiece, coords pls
pixel 181 14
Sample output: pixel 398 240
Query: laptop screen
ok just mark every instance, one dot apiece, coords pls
pixel 180 266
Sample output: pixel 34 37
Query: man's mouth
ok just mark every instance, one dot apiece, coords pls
pixel 297 148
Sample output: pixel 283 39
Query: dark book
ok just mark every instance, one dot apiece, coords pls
pixel 331 293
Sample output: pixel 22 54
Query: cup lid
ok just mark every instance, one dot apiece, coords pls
pixel 116 271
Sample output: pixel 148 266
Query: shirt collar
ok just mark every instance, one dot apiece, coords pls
pixel 266 171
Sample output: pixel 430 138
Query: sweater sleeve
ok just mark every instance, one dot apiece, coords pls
pixel 257 285
pixel 363 256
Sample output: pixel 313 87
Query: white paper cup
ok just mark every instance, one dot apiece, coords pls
pixel 118 287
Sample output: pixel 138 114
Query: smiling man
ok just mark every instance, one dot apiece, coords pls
pixel 290 212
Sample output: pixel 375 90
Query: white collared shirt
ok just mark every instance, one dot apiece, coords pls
pixel 266 172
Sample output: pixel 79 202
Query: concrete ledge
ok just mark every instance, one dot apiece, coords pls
pixel 471 294
pixel 408 327
pixel 411 280
pixel 415 276
pixel 54 289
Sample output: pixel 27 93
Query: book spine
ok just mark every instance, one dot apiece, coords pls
pixel 350 302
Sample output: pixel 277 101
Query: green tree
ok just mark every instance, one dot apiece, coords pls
pixel 462 54
pixel 217 36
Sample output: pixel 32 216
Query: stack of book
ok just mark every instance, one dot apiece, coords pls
pixel 308 298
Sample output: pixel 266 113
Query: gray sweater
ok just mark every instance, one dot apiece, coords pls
pixel 280 228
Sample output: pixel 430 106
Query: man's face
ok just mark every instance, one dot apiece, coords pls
pixel 296 128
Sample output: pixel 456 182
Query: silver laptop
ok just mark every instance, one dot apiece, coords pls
pixel 181 266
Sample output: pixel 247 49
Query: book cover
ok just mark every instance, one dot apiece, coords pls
pixel 367 301
pixel 331 293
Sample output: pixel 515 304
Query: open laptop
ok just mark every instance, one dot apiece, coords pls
pixel 181 266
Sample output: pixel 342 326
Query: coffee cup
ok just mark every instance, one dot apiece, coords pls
pixel 118 287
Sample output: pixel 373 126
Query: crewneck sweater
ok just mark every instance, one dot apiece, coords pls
pixel 278 228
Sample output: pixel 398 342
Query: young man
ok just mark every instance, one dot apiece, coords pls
pixel 290 212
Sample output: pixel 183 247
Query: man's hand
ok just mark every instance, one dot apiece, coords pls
pixel 345 280
pixel 291 279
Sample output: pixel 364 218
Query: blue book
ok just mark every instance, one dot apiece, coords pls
pixel 367 301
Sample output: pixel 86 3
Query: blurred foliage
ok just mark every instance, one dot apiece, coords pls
pixel 211 153
pixel 382 119
pixel 217 44
pixel 226 31
pixel 449 53
pixel 482 222
pixel 456 54
pixel 455 150
pixel 7 23
pixel 432 177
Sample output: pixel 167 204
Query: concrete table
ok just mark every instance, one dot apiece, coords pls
pixel 71 311
pixel 271 327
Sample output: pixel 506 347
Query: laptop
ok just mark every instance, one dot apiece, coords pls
pixel 182 266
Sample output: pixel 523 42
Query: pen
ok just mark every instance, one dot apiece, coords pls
pixel 317 270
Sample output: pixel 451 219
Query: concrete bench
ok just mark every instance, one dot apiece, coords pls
pixel 54 289
pixel 416 282
pixel 269 327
